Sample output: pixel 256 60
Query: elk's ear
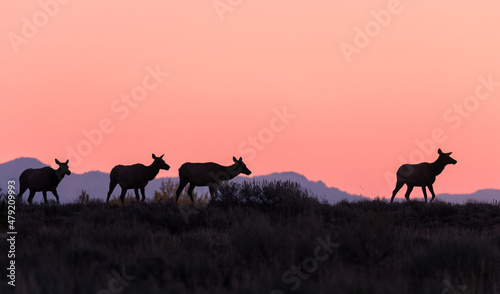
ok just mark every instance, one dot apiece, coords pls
pixel 240 160
pixel 449 153
pixel 439 151
pixel 162 156
pixel 154 156
pixel 57 161
pixel 234 159
pixel 67 160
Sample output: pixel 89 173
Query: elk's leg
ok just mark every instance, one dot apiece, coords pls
pixel 44 196
pixel 190 192
pixel 213 192
pixel 408 191
pixel 182 184
pixel 30 198
pixel 432 192
pixel 399 185
pixel 122 196
pixel 112 186
pixel 425 193
pixel 143 195
pixel 55 195
pixel 136 191
pixel 21 191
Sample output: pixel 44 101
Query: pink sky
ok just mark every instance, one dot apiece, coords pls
pixel 353 116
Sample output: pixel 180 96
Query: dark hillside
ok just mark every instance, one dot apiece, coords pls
pixel 256 239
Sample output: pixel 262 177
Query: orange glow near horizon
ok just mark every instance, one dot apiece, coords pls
pixel 339 92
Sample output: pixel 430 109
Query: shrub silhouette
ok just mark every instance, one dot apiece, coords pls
pixel 167 192
pixel 129 198
pixel 275 194
pixel 83 198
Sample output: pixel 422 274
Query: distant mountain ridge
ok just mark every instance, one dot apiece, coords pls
pixel 95 183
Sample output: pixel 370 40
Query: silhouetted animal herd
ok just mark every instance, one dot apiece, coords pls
pixel 135 177
pixel 208 174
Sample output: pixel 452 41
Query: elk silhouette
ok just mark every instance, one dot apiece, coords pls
pixel 135 177
pixel 42 180
pixel 421 175
pixel 208 174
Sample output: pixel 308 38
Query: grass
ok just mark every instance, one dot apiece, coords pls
pixel 256 239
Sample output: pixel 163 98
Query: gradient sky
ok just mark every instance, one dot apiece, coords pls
pixel 412 81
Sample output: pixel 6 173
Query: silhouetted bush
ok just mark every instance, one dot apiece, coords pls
pixel 285 196
pixel 167 193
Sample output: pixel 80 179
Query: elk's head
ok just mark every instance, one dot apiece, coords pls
pixel 446 158
pixel 241 166
pixel 160 163
pixel 63 167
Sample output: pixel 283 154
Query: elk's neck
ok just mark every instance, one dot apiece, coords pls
pixel 152 171
pixel 59 174
pixel 438 166
pixel 232 171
